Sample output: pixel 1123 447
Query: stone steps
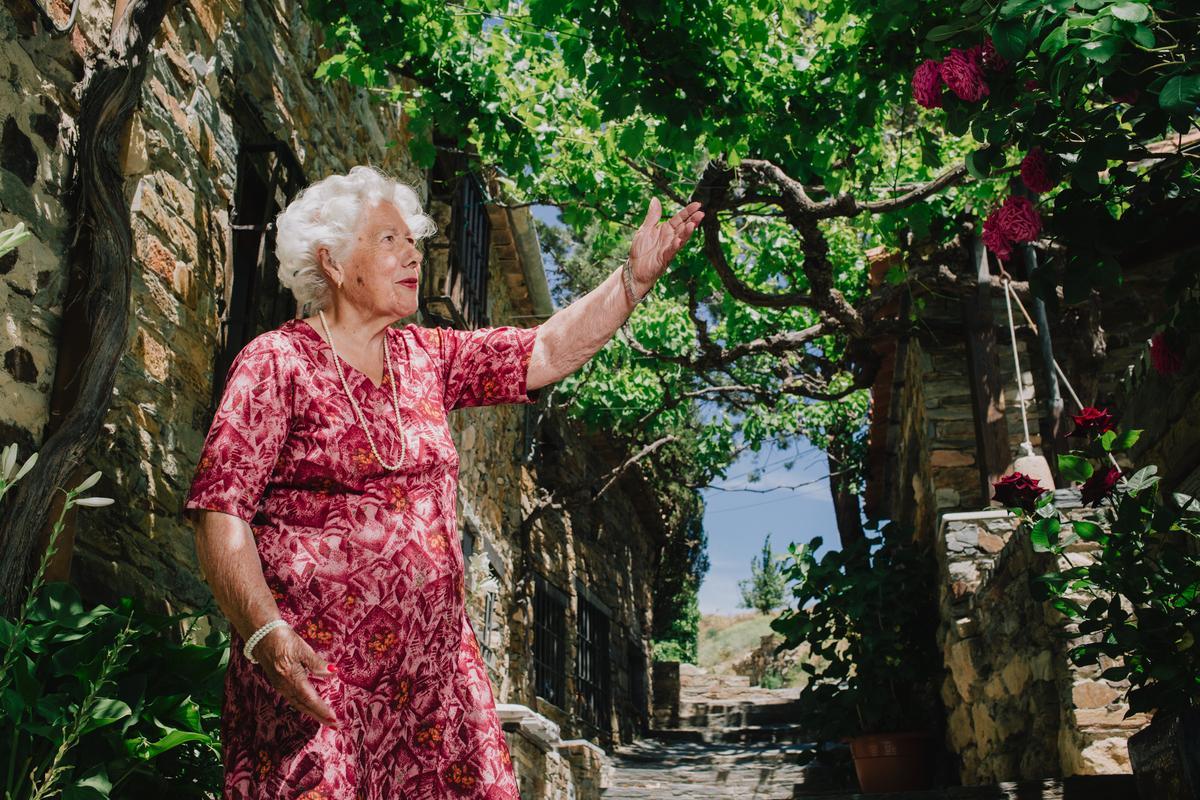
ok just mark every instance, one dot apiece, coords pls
pixel 1080 787
pixel 771 733
pixel 658 769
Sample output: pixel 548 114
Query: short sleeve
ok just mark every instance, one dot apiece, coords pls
pixel 248 430
pixel 486 366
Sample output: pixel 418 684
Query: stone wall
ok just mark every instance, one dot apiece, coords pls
pixel 605 550
pixel 221 76
pixel 925 461
pixel 1015 705
pixel 1017 708
pixel 210 64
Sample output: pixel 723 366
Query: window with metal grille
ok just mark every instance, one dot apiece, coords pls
pixel 550 641
pixel 268 177
pixel 593 674
pixel 470 238
pixel 489 612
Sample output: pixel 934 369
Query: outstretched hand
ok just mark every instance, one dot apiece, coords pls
pixel 655 243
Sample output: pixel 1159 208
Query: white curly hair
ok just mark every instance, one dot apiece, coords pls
pixel 327 214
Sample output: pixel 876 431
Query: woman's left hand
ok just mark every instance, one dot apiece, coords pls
pixel 654 244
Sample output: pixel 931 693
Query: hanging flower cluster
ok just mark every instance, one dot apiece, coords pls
pixel 963 71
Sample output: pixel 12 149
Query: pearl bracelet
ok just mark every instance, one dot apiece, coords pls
pixel 257 636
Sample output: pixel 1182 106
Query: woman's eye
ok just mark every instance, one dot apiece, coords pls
pixel 388 237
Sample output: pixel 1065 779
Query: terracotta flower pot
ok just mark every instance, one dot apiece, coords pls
pixel 1165 756
pixel 892 762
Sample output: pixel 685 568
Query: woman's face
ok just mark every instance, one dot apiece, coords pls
pixel 381 274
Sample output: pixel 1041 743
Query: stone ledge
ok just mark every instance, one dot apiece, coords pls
pixel 543 732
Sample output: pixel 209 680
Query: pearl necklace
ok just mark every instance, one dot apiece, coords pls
pixel 391 374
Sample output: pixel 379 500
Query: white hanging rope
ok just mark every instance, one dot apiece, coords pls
pixel 1010 292
pixel 1027 445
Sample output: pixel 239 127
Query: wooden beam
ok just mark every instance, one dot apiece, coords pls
pixel 983 374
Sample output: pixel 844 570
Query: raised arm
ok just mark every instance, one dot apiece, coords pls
pixel 568 339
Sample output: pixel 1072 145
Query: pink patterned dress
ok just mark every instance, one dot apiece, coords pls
pixel 365 564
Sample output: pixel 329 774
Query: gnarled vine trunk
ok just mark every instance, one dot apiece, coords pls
pixel 95 317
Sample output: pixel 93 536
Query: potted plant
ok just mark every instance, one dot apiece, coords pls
pixel 867 613
pixel 1138 598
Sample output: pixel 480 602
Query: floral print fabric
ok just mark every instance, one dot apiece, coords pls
pixel 365 564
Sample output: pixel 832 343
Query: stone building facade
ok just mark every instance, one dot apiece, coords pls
pixel 945 422
pixel 229 127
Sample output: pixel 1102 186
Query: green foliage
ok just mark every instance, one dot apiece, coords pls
pixel 677 633
pixel 1092 84
pixel 867 613
pixel 682 566
pixel 1136 601
pixel 763 592
pixel 593 108
pixel 101 702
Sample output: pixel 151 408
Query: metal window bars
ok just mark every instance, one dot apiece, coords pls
pixel 593 672
pixel 268 177
pixel 550 641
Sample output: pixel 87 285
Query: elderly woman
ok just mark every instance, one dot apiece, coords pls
pixel 324 504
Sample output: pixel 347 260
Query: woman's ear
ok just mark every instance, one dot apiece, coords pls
pixel 332 270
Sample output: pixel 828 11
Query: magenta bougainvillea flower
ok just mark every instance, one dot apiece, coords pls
pixel 927 84
pixel 1163 355
pixel 1093 421
pixel 962 70
pixel 991 59
pixel 1032 85
pixel 1015 221
pixel 1036 171
pixel 1099 486
pixel 1018 490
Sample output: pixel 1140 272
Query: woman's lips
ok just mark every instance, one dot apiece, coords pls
pixel 409 282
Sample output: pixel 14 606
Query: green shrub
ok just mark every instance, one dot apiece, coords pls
pixel 101 702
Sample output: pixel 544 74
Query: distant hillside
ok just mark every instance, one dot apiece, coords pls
pixel 726 638
pixel 732 644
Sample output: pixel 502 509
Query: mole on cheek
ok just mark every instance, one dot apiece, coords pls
pixel 359 280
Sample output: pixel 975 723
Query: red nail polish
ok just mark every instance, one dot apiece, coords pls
pixel 331 667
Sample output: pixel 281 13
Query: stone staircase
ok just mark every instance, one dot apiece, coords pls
pixel 655 769
pixel 718 737
pixel 726 708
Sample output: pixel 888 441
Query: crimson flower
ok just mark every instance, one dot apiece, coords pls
pixel 1036 171
pixel 1093 421
pixel 927 84
pixel 1099 486
pixel 1016 220
pixel 990 58
pixel 962 70
pixel 1163 355
pixel 1018 490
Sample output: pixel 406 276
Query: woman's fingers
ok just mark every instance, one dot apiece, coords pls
pixel 287 665
pixel 653 214
pixel 305 697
